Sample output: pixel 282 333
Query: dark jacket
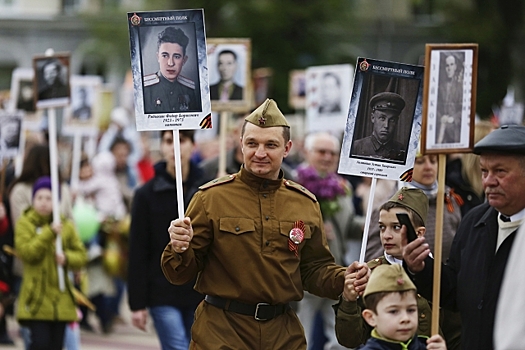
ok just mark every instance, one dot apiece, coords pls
pixel 472 278
pixel 375 343
pixel 154 206
pixel 235 94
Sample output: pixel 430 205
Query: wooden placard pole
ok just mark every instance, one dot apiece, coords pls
pixel 225 116
pixel 370 205
pixel 53 156
pixel 438 243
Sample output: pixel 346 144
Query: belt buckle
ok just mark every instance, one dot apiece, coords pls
pixel 257 311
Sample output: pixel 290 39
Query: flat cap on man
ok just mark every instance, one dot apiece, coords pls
pixel 506 139
pixel 387 101
pixel 267 115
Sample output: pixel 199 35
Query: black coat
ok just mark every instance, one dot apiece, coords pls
pixel 154 206
pixel 471 280
pixel 417 343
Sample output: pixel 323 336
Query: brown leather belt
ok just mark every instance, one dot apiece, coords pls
pixel 260 311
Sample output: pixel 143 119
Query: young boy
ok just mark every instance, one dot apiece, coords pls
pixel 351 329
pixel 391 308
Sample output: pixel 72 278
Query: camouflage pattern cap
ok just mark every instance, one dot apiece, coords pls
pixel 267 115
pixel 388 278
pixel 414 199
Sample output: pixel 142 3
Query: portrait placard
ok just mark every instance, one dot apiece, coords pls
pixel 22 97
pixel 51 83
pixel 22 91
pixel 384 120
pixel 10 130
pixel 297 89
pixel 262 84
pixel 449 102
pixel 327 97
pixel 170 70
pixel 229 61
pixel 82 114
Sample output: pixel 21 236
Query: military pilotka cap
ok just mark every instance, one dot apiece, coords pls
pixel 388 278
pixel 506 139
pixel 387 101
pixel 414 199
pixel 267 115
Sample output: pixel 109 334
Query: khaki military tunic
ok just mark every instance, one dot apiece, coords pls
pixel 240 251
pixel 371 147
pixel 163 96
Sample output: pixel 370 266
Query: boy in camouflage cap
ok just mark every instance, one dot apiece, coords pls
pixel 391 308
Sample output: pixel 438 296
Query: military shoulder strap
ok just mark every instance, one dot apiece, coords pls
pixel 372 264
pixel 186 82
pixel 151 79
pixel 298 187
pixel 218 181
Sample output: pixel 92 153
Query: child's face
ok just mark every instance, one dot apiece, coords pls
pixel 43 201
pixel 85 172
pixel 396 318
pixel 390 231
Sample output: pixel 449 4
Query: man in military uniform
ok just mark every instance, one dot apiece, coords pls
pixel 386 107
pixel 83 111
pixel 226 89
pixel 167 91
pixel 255 241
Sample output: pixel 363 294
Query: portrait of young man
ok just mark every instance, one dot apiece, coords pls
pixel 168 90
pixel 81 104
pixel 385 108
pixel 330 94
pixel 25 100
pixel 450 98
pixel 226 89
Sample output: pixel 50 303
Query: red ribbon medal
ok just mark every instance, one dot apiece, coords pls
pixel 296 237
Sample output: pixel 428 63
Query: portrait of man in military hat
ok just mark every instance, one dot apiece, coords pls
pixel 385 109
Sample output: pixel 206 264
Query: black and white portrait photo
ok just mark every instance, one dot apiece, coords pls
pixel 52 81
pixel 450 86
pixel 229 62
pixel 10 129
pixel 328 96
pixel 84 112
pixel 384 121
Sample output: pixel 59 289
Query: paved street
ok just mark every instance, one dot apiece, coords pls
pixel 124 336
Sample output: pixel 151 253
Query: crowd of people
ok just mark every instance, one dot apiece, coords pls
pixel 266 256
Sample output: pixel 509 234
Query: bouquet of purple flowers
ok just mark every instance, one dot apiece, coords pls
pixel 326 187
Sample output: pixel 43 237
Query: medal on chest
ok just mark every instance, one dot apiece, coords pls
pixel 296 236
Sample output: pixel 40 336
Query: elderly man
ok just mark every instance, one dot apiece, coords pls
pixel 386 107
pixel 341 227
pixel 254 241
pixel 472 278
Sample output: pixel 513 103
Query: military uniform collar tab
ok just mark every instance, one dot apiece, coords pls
pixel 257 182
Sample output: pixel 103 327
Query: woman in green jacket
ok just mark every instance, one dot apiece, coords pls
pixel 42 306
